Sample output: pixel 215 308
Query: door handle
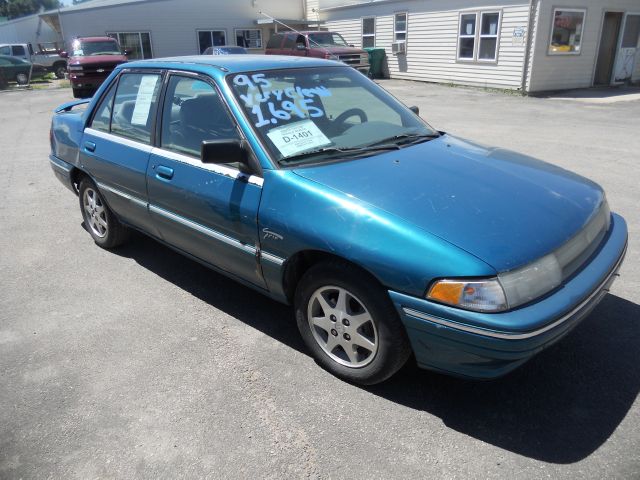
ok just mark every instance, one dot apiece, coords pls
pixel 90 146
pixel 164 173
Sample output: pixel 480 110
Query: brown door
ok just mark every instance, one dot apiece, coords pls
pixel 608 46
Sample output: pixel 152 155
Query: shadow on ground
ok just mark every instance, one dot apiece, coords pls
pixel 560 407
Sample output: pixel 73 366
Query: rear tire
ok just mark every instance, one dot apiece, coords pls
pixel 22 78
pixel 105 229
pixel 349 324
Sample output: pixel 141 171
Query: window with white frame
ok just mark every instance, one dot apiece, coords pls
pixel 368 32
pixel 488 47
pixel 400 27
pixel 249 38
pixel 211 38
pixel 566 31
pixel 479 36
pixel 137 43
pixel 467 37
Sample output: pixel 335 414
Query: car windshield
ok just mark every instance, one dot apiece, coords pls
pixel 85 49
pixel 327 39
pixel 315 115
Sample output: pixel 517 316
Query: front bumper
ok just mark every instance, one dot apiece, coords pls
pixel 484 345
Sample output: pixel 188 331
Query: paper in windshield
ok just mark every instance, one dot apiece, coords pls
pixel 298 137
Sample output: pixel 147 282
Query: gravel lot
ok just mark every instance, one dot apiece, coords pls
pixel 139 363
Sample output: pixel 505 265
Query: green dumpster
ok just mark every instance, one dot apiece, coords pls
pixel 376 61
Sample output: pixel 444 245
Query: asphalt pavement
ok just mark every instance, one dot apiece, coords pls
pixel 139 363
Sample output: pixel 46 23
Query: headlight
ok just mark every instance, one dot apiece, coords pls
pixel 479 295
pixel 525 284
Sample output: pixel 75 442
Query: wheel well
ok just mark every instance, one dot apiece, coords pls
pixel 60 63
pixel 300 262
pixel 76 176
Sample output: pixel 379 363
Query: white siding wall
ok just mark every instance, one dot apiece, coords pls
pixel 432 38
pixel 173 23
pixel 556 72
pixel 27 30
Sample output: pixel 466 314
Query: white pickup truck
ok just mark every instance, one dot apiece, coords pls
pixel 48 55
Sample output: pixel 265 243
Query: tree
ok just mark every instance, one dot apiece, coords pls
pixel 20 8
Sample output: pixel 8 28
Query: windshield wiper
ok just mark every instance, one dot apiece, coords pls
pixel 350 152
pixel 409 138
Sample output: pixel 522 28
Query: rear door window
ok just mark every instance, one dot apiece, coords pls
pixel 135 105
pixel 18 51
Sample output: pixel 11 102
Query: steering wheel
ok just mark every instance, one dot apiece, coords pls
pixel 352 112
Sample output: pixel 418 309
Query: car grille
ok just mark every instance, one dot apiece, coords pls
pixel 354 59
pixel 98 68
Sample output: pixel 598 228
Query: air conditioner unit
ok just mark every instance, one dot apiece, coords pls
pixel 399 48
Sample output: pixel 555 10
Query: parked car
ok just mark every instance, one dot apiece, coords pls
pixel 48 56
pixel 306 181
pixel 328 45
pixel 224 50
pixel 13 69
pixel 90 61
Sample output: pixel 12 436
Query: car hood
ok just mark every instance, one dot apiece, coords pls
pixel 505 208
pixel 338 50
pixel 97 59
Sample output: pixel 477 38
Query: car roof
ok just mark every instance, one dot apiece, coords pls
pixel 94 39
pixel 232 63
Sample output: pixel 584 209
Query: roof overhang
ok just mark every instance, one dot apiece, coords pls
pixel 52 19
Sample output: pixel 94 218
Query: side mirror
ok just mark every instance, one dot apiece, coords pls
pixel 127 51
pixel 415 110
pixel 224 151
pixel 301 46
pixel 64 54
pixel 30 48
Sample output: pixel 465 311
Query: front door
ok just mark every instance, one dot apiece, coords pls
pixel 209 211
pixel 628 53
pixel 607 50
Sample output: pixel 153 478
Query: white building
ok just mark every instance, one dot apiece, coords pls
pixel 536 45
pixel 532 45
pixel 31 29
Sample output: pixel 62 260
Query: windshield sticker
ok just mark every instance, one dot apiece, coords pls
pixel 143 100
pixel 272 105
pixel 298 137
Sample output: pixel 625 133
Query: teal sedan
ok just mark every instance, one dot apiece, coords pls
pixel 306 181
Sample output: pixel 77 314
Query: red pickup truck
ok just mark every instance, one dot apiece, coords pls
pixel 90 61
pixel 329 45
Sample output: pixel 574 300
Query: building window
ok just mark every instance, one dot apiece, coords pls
pixel 479 42
pixel 368 32
pixel 400 27
pixel 467 38
pixel 488 49
pixel 211 38
pixel 249 38
pixel 566 31
pixel 138 43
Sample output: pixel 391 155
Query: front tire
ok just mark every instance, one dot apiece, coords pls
pixel 60 70
pixel 349 324
pixel 105 229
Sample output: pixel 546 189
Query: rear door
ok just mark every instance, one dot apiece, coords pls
pixel 209 211
pixel 116 145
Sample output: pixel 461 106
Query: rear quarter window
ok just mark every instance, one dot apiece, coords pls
pixel 275 41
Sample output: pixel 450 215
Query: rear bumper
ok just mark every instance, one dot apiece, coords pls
pixel 484 346
pixel 62 171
